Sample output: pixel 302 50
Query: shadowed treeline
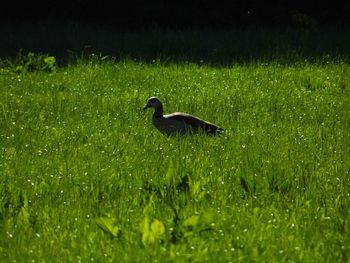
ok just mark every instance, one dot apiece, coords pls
pixel 215 47
pixel 200 31
pixel 135 14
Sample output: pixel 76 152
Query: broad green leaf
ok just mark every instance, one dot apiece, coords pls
pixel 109 225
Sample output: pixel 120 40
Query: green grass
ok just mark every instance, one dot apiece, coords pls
pixel 85 177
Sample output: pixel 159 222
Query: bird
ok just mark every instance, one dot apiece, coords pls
pixel 179 122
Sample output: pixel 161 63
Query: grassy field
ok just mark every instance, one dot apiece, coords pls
pixel 85 177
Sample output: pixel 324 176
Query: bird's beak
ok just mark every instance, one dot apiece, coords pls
pixel 146 106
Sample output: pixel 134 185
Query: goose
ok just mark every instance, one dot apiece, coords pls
pixel 179 122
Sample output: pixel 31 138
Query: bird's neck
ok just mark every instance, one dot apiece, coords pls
pixel 158 112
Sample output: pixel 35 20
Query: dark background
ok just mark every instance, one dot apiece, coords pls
pixel 212 32
pixel 131 14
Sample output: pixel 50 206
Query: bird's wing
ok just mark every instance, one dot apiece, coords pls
pixel 195 122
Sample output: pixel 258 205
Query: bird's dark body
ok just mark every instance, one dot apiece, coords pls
pixel 179 122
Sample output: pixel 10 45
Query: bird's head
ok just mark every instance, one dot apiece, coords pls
pixel 153 102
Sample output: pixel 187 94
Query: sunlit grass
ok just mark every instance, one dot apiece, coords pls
pixel 86 177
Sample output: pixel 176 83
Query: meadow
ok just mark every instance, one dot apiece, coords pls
pixel 85 177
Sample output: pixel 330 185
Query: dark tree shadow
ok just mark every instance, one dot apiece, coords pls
pixel 215 47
